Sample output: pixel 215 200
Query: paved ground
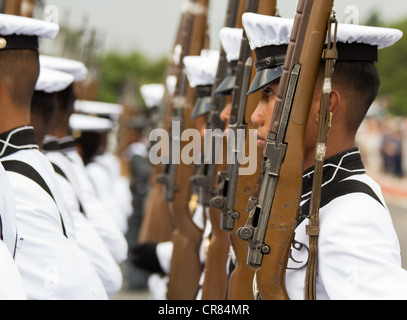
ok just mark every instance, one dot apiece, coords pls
pixel 133 295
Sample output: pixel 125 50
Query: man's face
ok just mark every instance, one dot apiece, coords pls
pixel 225 114
pixel 263 114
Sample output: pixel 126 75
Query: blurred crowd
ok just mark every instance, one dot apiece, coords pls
pixel 382 140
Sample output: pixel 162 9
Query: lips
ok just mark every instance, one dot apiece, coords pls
pixel 261 142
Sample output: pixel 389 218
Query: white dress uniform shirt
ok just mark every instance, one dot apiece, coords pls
pixel 96 213
pixel 111 187
pixel 86 236
pixel 359 255
pixel 51 264
pixel 11 285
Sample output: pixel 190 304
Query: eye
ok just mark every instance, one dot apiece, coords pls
pixel 268 92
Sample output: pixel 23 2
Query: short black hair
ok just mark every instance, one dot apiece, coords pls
pixel 359 83
pixel 44 104
pixel 19 72
pixel 90 143
pixel 66 99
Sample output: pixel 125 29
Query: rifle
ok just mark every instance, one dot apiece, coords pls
pixel 2 5
pixel 22 8
pixel 12 7
pixel 186 267
pixel 216 279
pixel 158 225
pixel 234 190
pixel 272 220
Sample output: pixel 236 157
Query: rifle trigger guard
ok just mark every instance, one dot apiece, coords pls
pixel 298 246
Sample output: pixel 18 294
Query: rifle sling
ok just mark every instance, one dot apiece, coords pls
pixel 26 170
pixel 330 56
pixel 59 171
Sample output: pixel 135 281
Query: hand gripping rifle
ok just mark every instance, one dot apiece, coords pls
pixel 272 221
pixel 185 269
pixel 216 279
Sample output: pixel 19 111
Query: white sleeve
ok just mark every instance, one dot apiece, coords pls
pixel 359 253
pixel 11 287
pixel 51 266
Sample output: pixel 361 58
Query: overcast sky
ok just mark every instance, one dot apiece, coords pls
pixel 150 25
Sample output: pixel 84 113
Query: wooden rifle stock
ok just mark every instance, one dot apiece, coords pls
pixel 23 8
pixel 215 283
pixel 241 279
pixel 272 221
pixel 234 189
pixel 158 225
pixel 185 270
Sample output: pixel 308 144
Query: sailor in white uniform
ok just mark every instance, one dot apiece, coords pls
pixel 50 263
pixel 11 284
pixel 359 253
pixel 104 169
pixel 156 258
pixel 59 140
pixel 96 212
pixel 49 83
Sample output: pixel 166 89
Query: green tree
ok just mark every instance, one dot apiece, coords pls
pixel 120 70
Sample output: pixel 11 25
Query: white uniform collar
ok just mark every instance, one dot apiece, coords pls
pixel 22 138
pixel 336 169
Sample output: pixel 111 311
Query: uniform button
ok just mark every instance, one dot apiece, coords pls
pixel 3 43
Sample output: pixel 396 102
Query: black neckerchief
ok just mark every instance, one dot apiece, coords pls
pixel 50 144
pixel 18 139
pixel 67 144
pixel 334 184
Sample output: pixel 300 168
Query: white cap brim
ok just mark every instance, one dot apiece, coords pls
pixel 76 68
pixel 16 25
pixel 85 123
pixel 51 81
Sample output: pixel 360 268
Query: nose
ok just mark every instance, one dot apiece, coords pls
pixel 225 114
pixel 257 117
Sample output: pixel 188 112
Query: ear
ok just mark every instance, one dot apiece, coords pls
pixel 335 102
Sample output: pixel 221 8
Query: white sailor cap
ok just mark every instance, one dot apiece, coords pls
pixel 101 109
pixel 269 37
pixel 76 68
pixel 354 42
pixel 153 94
pixel 23 33
pixel 50 81
pixel 231 40
pixel 85 123
pixel 201 72
pixel 361 43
